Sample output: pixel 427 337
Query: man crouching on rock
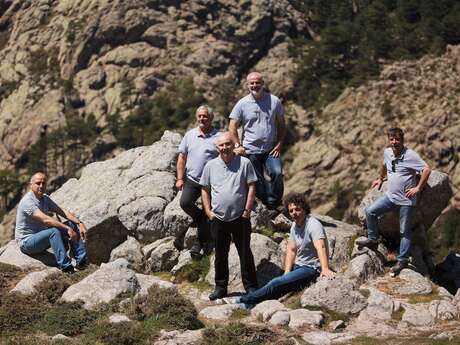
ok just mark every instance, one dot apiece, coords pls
pixel 228 185
pixel 306 256
pixel 36 231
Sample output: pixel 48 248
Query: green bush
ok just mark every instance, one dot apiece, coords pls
pixel 236 334
pixel 196 270
pixel 122 333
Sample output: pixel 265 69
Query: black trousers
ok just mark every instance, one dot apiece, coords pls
pixel 240 231
pixel 190 194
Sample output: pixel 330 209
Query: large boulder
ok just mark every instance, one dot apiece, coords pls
pixel 28 285
pixel 125 195
pixel 434 198
pixel 12 255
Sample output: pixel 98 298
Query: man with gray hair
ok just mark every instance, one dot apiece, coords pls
pixel 196 148
pixel 37 231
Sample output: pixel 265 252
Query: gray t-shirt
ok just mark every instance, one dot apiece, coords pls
pixel 229 185
pixel 304 238
pixel 406 167
pixel 25 224
pixel 258 119
pixel 199 149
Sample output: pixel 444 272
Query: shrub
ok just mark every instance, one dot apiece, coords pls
pixel 194 271
pixel 235 334
pixel 8 275
pixel 122 333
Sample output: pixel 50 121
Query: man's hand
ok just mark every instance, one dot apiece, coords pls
pixel 327 273
pixel 179 184
pixel 377 183
pixel 246 214
pixel 411 192
pixel 276 152
pixel 83 231
pixel 72 234
pixel 211 215
pixel 239 151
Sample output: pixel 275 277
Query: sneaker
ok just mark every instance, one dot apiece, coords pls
pixel 398 267
pixel 218 293
pixel 195 251
pixel 82 265
pixel 368 243
pixel 69 270
pixel 244 306
pixel 231 300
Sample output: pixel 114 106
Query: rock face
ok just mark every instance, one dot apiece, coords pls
pixel 28 284
pixel 132 193
pixel 12 255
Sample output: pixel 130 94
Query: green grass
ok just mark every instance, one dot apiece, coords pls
pixel 236 334
pixel 195 271
pixel 239 314
pixel 433 296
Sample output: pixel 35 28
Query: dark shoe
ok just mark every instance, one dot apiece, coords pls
pixel 82 265
pixel 218 293
pixel 195 251
pixel 69 270
pixel 398 267
pixel 208 248
pixel 368 243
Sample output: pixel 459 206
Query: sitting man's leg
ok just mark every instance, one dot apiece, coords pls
pixel 78 247
pixel 275 187
pixel 41 241
pixel 295 280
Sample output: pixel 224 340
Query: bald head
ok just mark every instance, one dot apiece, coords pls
pixel 225 146
pixel 255 83
pixel 38 184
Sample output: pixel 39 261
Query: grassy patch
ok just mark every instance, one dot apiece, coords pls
pixel 239 314
pixel 365 292
pixel 368 341
pixel 433 296
pixel 266 231
pixel 167 308
pixel 236 334
pixel 122 333
pixel 397 315
pixel 195 271
pixel 9 276
pixel 293 301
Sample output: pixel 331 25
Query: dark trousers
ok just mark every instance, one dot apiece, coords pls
pixel 238 230
pixel 270 190
pixel 190 193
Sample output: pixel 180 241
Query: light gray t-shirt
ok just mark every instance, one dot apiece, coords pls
pixel 406 167
pixel 229 185
pixel 25 224
pixel 199 149
pixel 258 120
pixel 304 238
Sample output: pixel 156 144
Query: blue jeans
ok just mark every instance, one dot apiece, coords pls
pixel 295 280
pixel 58 240
pixel 269 192
pixel 382 206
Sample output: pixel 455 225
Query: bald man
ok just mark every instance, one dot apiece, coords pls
pixel 36 230
pixel 228 188
pixel 261 116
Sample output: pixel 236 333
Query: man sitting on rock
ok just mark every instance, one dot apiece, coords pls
pixel 228 183
pixel 400 166
pixel 196 148
pixel 36 230
pixel 306 256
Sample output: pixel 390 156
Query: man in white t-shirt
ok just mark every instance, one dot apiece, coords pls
pixel 400 166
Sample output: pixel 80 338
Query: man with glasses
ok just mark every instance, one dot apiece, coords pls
pixel 261 115
pixel 400 166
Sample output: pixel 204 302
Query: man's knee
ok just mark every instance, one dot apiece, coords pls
pixel 54 232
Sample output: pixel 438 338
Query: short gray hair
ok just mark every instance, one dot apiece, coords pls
pixel 208 109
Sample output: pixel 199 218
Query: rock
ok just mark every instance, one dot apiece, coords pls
pixel 413 283
pixel 303 317
pixel 363 267
pixel 108 282
pixel 418 315
pixel 338 295
pixel 443 310
pixel 326 338
pixel 121 204
pixel 280 318
pixel 336 325
pixel 28 284
pixel 266 309
pixel 184 259
pixel 218 312
pixel 147 281
pixel 442 292
pixel 190 237
pixel 117 317
pixel 130 250
pixel 434 199
pixel 267 259
pixel 163 257
pixel 12 255
pixel 175 220
pixel 179 338
pixel 380 306
pixel 60 338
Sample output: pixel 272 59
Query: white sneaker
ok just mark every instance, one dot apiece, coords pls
pixel 231 300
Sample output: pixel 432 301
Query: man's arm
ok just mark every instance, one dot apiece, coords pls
pixel 233 129
pixel 249 200
pixel 383 173
pixel 291 252
pixel 181 161
pixel 53 223
pixel 320 246
pixel 73 218
pixel 419 187
pixel 280 133
pixel 206 201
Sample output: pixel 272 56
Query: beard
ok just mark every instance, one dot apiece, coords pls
pixel 255 93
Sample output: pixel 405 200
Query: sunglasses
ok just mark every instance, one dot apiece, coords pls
pixel 393 164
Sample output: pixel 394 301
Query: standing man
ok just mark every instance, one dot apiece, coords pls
pixel 400 166
pixel 37 231
pixel 261 116
pixel 196 148
pixel 306 255
pixel 228 191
